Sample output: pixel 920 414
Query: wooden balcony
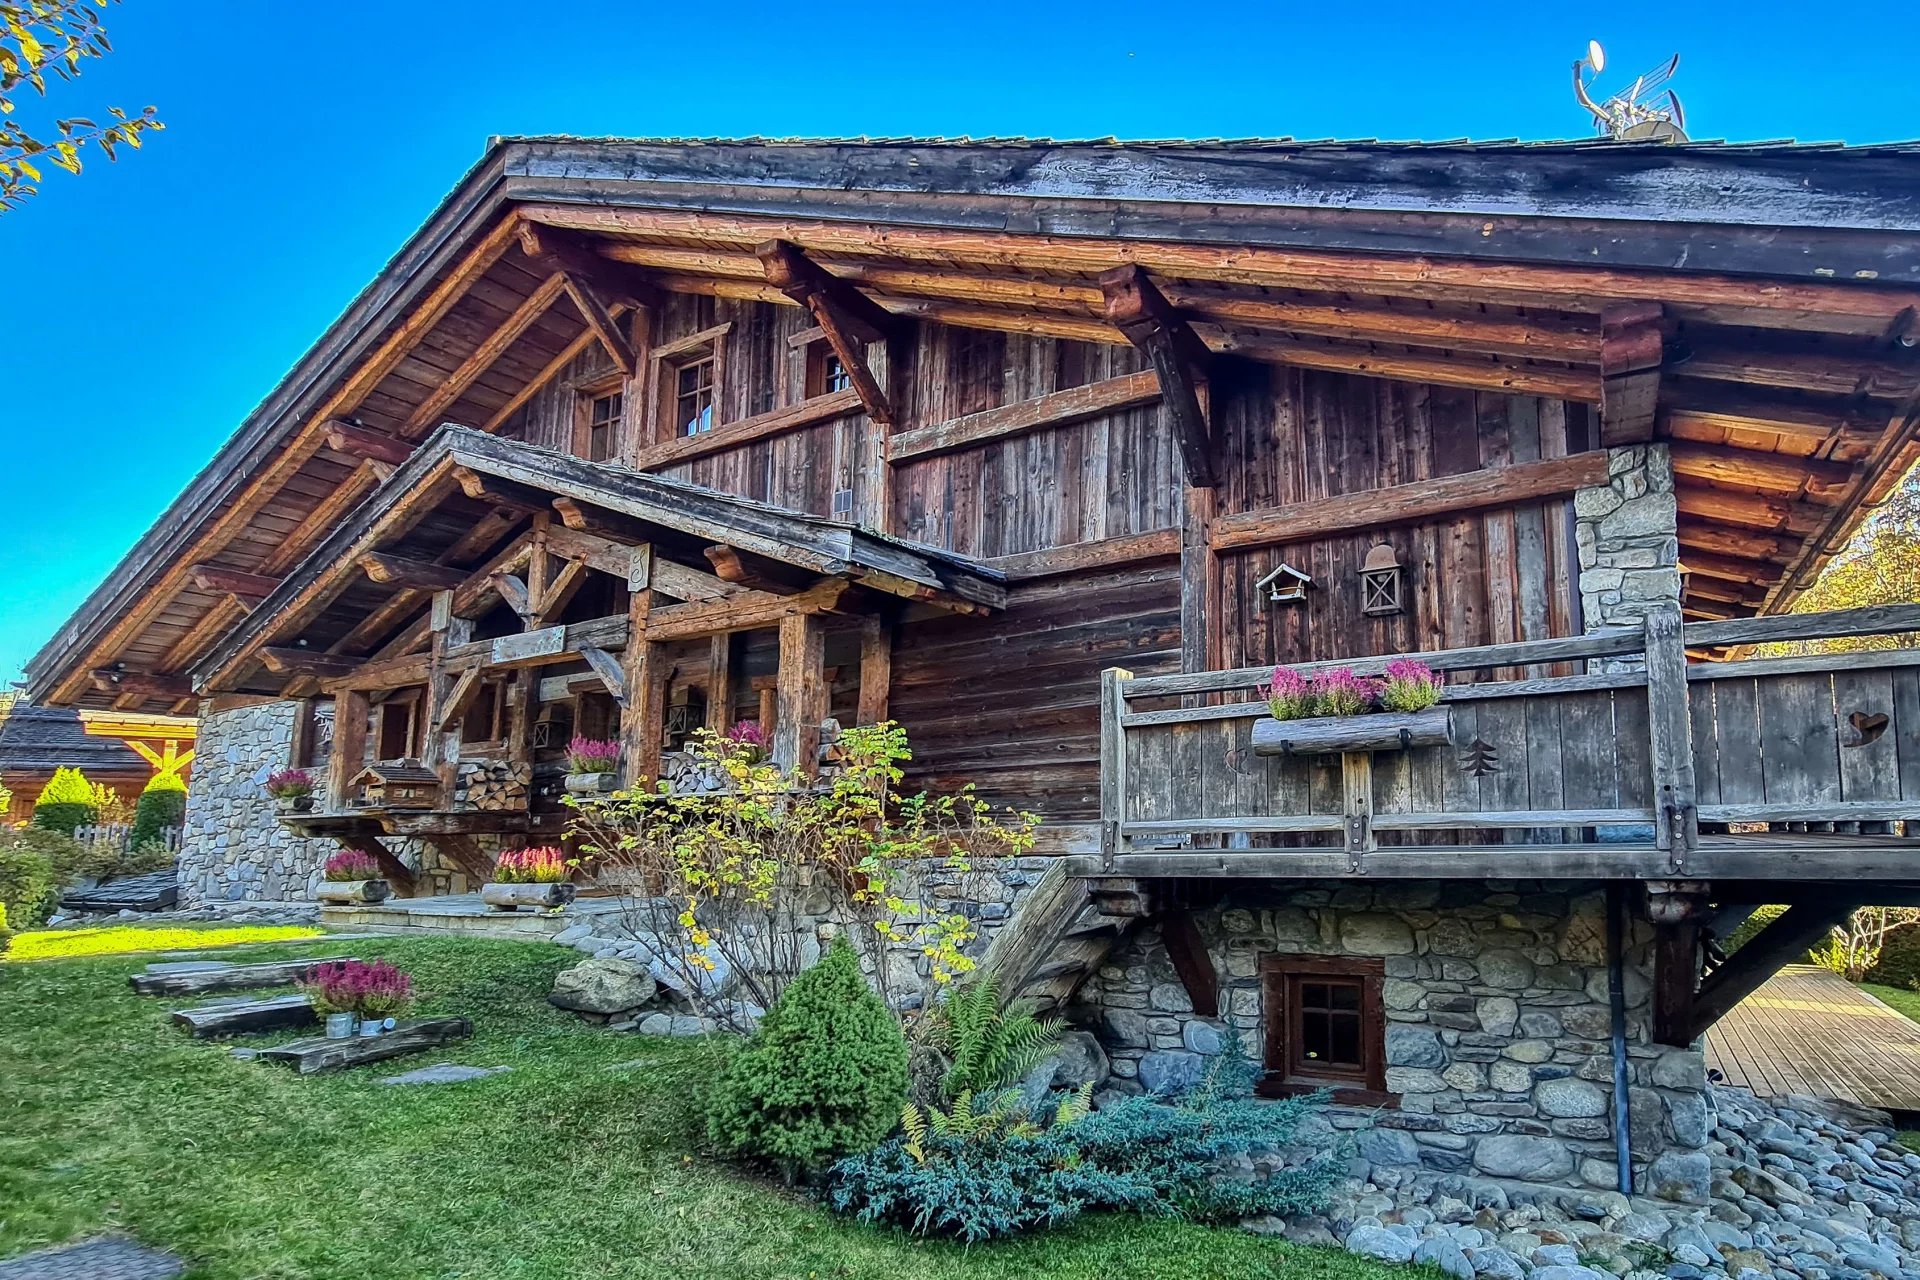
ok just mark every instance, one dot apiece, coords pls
pixel 1619 754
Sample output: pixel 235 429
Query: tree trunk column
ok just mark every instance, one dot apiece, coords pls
pixel 802 694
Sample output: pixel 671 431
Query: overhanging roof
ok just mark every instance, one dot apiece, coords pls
pixel 1792 270
pixel 654 505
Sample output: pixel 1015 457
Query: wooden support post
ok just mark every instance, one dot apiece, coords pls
pixel 300 750
pixel 1113 762
pixel 1677 824
pixel 876 669
pixel 847 317
pixel 391 868
pixel 720 683
pixel 440 747
pixel 1194 967
pixel 1677 908
pixel 1179 358
pixel 802 695
pixel 1200 622
pixel 644 670
pixel 1356 779
pixel 1799 927
pixel 1632 350
pixel 351 712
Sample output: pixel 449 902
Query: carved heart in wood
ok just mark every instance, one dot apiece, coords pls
pixel 1868 726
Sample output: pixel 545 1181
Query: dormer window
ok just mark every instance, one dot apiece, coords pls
pixel 687 376
pixel 693 396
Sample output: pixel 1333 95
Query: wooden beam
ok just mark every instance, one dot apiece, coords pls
pixel 465 689
pixel 357 441
pixel 251 587
pixel 848 317
pixel 321 520
pixel 499 493
pixel 876 670
pixel 376 623
pixel 742 613
pixel 142 684
pixel 551 370
pixel 391 868
pixel 1785 473
pixel 1749 510
pixel 1191 962
pixel 1409 503
pixel 228 612
pixel 352 710
pixel 733 566
pixel 1058 409
pixel 283 661
pixel 514 591
pixel 1482 373
pixel 559 593
pixel 762 426
pixel 1787 937
pixel 401 571
pixel 1632 350
pixel 1180 359
pixel 643 675
pixel 496 344
pixel 1200 611
pixel 608 668
pixel 1078 557
pixel 802 695
pixel 574 257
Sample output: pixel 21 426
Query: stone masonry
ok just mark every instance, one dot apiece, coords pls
pixel 1497 1037
pixel 233 849
pixel 1626 533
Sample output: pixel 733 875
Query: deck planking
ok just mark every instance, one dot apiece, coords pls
pixel 1810 1031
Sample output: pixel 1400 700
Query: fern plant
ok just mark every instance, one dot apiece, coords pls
pixel 984 1046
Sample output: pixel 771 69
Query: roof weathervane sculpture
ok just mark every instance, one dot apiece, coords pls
pixel 1645 111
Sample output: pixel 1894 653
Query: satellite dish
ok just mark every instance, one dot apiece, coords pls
pixel 1596 57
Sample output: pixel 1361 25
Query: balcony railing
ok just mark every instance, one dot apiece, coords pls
pixel 1623 763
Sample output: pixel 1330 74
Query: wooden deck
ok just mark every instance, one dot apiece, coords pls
pixel 1809 1031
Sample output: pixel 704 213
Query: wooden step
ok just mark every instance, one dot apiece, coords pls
pixel 1057 937
pixel 204 980
pixel 234 1017
pixel 321 1054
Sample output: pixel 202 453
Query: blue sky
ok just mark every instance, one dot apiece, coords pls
pixel 151 304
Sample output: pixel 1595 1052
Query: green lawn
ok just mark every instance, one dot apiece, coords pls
pixel 1900 998
pixel 582 1161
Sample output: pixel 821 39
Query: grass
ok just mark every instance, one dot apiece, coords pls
pixel 1900 999
pixel 584 1160
pixel 69 944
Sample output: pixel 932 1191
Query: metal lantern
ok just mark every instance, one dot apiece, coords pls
pixel 1380 584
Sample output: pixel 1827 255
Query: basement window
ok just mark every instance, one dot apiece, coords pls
pixel 1326 1026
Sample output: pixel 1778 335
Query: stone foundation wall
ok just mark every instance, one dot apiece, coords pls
pixel 1497 1037
pixel 233 848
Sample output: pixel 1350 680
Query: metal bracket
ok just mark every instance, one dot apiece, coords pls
pixel 1356 842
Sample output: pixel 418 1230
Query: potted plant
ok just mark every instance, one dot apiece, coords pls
pixel 591 766
pixel 748 740
pixel 529 878
pixel 351 876
pixel 1335 710
pixel 293 788
pixel 356 997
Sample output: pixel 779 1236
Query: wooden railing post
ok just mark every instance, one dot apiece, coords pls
pixel 1113 762
pixel 1676 819
pixel 1356 777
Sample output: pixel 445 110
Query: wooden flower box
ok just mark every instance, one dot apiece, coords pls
pixel 591 784
pixel 511 897
pixel 1335 735
pixel 345 892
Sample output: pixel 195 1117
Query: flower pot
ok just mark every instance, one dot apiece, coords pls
pixel 350 891
pixel 1376 731
pixel 342 1026
pixel 591 784
pixel 370 1027
pixel 296 804
pixel 511 897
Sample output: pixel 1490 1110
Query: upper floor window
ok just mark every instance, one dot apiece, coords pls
pixel 601 428
pixel 825 373
pixel 693 396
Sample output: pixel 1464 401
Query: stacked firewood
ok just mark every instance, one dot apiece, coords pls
pixel 493 785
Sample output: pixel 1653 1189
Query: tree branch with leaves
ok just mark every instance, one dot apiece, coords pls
pixel 42 39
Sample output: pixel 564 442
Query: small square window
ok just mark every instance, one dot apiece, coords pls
pixel 1326 1027
pixel 825 372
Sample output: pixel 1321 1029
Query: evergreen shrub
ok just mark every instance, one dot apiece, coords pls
pixel 161 806
pixel 824 1076
pixel 66 802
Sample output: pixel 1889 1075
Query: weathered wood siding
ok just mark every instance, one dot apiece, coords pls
pixel 1292 436
pixel 1011 702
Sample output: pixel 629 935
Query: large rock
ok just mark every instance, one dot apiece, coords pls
pixel 1684 1176
pixel 1376 934
pixel 690 980
pixel 1510 1155
pixel 1078 1061
pixel 1414 1047
pixel 1445 1254
pixel 1507 969
pixel 1170 1071
pixel 1570 1098
pixel 1387 1146
pixel 1378 1243
pixel 603 986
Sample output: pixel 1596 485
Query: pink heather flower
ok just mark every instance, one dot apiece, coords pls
pixel 1289 695
pixel 350 864
pixel 353 986
pixel 1410 685
pixel 593 755
pixel 1339 692
pixel 748 733
pixel 288 783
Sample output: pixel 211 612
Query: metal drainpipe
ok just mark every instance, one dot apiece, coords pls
pixel 1617 1006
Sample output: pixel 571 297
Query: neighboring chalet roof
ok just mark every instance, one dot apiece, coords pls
pixel 1784 280
pixel 42 739
pixel 465 498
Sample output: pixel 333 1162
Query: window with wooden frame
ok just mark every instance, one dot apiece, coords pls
pixel 598 414
pixel 1326 1026
pixel 686 378
pixel 484 722
pixel 825 373
pixel 398 730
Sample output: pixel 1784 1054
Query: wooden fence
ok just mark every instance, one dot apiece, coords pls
pixel 118 836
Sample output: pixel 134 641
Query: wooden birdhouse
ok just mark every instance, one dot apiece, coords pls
pixel 398 784
pixel 1381 589
pixel 1285 584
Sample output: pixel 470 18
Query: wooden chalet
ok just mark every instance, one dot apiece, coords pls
pixel 1050 451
